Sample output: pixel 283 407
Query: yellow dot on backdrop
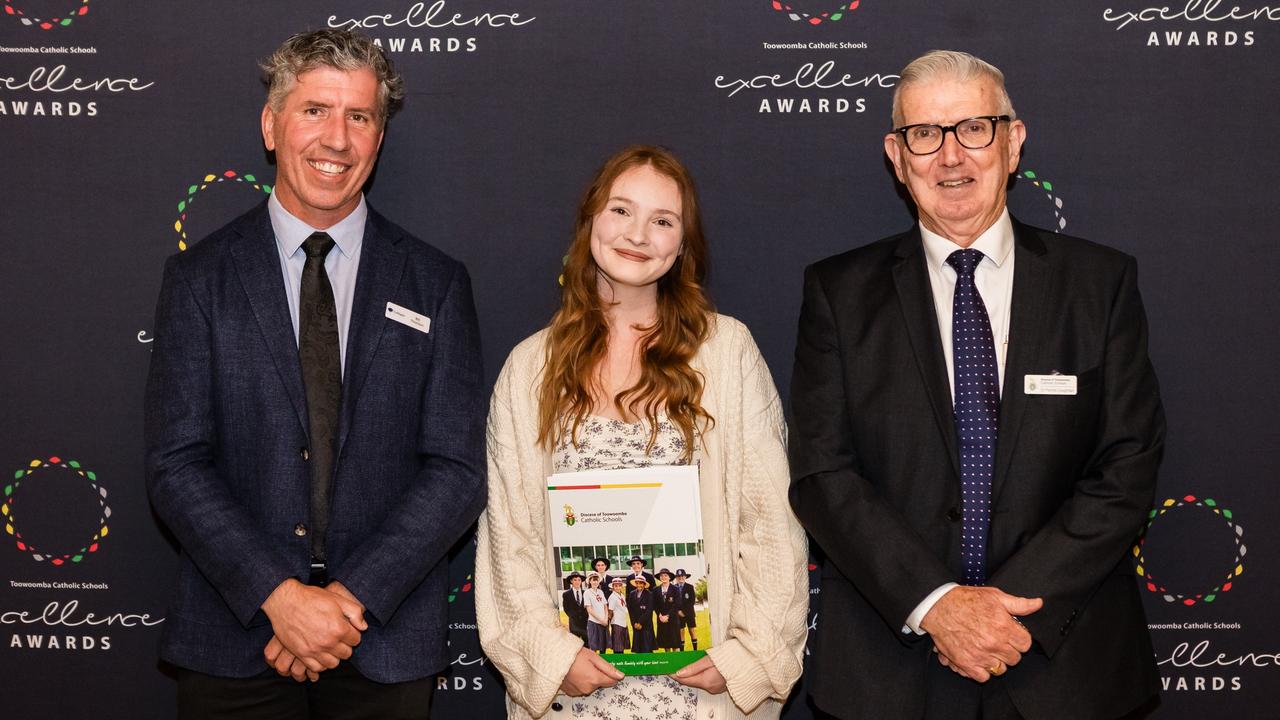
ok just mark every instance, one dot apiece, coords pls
pixel 1140 570
pixel 35 463
pixel 209 178
pixel 104 531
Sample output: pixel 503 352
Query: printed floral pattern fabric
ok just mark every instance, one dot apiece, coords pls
pixel 608 444
pixel 637 698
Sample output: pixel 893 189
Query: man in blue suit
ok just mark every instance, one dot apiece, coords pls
pixel 314 422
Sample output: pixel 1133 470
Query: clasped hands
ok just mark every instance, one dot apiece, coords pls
pixel 976 631
pixel 315 628
pixel 590 672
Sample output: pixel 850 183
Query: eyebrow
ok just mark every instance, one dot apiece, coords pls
pixel 664 211
pixel 330 106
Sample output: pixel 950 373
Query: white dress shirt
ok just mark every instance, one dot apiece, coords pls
pixel 994 280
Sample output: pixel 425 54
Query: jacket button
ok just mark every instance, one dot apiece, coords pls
pixel 305 454
pixel 300 530
pixel 954 514
pixel 557 706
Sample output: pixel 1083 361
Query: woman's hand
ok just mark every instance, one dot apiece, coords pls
pixel 588 673
pixel 702 674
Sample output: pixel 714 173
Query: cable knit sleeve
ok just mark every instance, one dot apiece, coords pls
pixel 517 614
pixel 768 619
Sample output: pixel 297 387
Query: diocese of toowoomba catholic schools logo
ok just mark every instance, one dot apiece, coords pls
pixel 32 15
pixel 569 518
pixel 56 511
pixel 815 12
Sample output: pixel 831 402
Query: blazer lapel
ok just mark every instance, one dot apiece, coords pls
pixel 1027 323
pixel 915 294
pixel 257 264
pixel 381 265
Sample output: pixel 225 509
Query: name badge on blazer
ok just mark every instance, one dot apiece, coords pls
pixel 1055 384
pixel 405 316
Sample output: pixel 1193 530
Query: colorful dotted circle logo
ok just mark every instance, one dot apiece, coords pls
pixel 179 225
pixel 1154 584
pixel 36 471
pixel 1054 201
pixel 816 17
pixel 58 21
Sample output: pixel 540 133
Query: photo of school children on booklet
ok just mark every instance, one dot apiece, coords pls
pixel 637 610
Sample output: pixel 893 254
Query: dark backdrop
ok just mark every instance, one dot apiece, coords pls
pixel 127 126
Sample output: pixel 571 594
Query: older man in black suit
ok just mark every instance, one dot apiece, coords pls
pixel 977 433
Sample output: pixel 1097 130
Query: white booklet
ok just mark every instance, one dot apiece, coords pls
pixel 631 564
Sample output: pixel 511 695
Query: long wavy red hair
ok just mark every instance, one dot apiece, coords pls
pixel 579 331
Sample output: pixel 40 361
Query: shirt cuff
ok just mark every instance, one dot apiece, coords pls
pixel 913 620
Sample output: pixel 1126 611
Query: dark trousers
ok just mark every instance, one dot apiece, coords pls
pixel 949 696
pixel 340 694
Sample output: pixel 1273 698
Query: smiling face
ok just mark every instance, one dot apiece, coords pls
pixel 636 566
pixel 601 566
pixel 959 192
pixel 326 136
pixel 635 238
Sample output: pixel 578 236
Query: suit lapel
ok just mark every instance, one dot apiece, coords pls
pixel 257 263
pixel 1027 326
pixel 381 265
pixel 915 294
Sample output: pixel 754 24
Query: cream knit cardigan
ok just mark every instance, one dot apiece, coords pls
pixel 756 549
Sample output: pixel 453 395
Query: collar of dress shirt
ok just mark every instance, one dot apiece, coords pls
pixel 996 242
pixel 291 232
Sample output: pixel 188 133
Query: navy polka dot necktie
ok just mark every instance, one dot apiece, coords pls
pixel 977 412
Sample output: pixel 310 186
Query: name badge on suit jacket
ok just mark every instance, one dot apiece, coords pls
pixel 405 316
pixel 1055 384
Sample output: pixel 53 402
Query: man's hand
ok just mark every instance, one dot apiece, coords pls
pixel 702 674
pixel 341 590
pixel 588 673
pixel 277 657
pixel 318 626
pixel 975 630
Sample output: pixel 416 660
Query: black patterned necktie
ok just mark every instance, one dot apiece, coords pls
pixel 322 375
pixel 977 412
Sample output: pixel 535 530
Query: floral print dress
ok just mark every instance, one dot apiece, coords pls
pixel 608 444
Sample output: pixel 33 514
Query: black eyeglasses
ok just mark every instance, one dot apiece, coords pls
pixel 974 133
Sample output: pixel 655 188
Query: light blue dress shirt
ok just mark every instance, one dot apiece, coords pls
pixel 341 264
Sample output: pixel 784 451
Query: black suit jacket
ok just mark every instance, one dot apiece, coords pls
pixel 226 425
pixel 576 611
pixel 876 480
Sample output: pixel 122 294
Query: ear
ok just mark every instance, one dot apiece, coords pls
pixel 1017 136
pixel 893 149
pixel 268 127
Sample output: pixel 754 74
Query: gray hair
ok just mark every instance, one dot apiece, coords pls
pixel 950 65
pixel 337 49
